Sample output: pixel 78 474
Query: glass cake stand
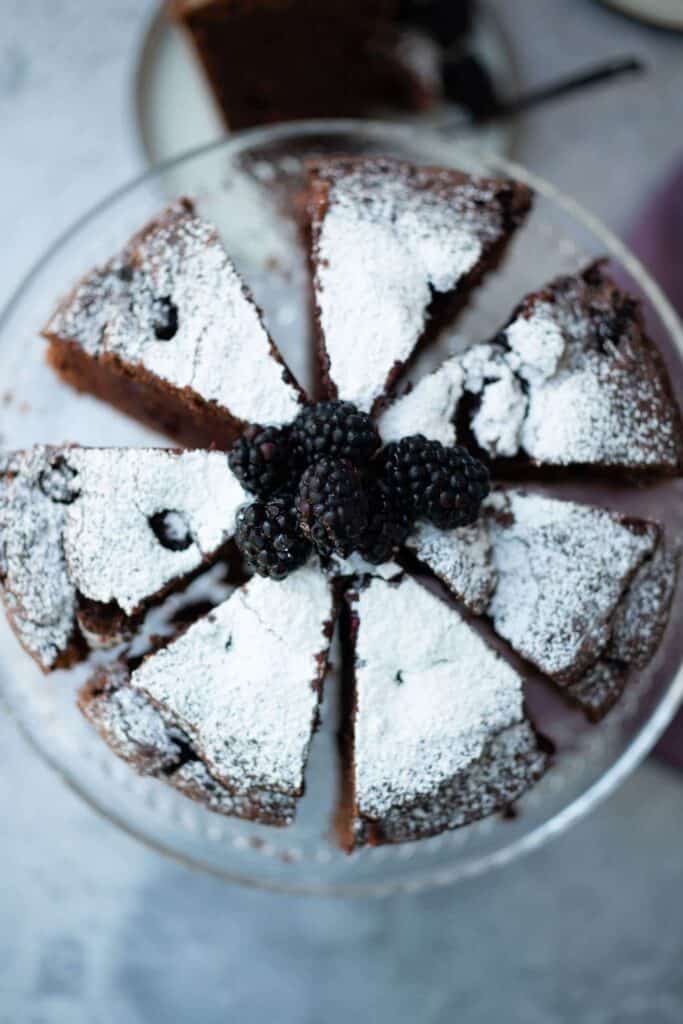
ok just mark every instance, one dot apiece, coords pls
pixel 248 186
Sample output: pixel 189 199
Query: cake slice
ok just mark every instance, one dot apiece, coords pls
pixel 573 380
pixel 138 733
pixel 396 250
pixel 244 684
pixel 268 62
pixel 167 332
pixel 91 537
pixel 579 592
pixel 436 735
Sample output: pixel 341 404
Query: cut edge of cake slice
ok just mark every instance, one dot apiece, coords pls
pixel 582 618
pixel 396 251
pixel 244 683
pixel 435 734
pixel 168 333
pixel 93 537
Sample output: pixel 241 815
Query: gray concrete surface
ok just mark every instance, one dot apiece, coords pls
pixel 93 927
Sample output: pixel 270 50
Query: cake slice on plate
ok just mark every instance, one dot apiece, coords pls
pixel 138 732
pixel 243 686
pixel 269 62
pixel 436 735
pixel 565 584
pixel 91 537
pixel 167 332
pixel 572 380
pixel 396 251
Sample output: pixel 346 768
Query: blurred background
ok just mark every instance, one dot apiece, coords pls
pixel 96 928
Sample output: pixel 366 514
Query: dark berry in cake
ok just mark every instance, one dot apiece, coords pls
pixel 332 506
pixel 269 539
pixel 335 429
pixel 263 459
pixel 171 529
pixel 388 525
pixel 426 479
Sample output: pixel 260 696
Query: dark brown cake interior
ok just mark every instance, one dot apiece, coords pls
pixel 282 60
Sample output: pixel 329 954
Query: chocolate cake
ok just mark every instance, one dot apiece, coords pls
pixel 91 537
pixel 246 719
pixel 436 732
pixel 167 332
pixel 320 499
pixel 396 251
pixel 572 380
pixel 280 60
pixel 566 585
pixel 138 733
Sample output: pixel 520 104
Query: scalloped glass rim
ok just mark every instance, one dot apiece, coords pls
pixel 671 697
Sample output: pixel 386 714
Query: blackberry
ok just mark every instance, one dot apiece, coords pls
pixel 262 460
pixel 332 507
pixel 425 479
pixel 387 528
pixel 267 535
pixel 335 429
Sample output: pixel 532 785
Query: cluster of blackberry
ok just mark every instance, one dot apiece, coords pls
pixel 325 483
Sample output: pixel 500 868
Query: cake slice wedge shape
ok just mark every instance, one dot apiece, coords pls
pixel 572 381
pixel 578 591
pixel 91 537
pixel 396 250
pixel 244 683
pixel 167 332
pixel 575 380
pixel 138 733
pixel 435 735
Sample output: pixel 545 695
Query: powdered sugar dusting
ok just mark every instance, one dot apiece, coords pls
pixel 387 241
pixel 112 552
pixel 242 681
pixel 574 380
pixel 77 521
pixel 36 589
pixel 429 697
pixel 137 732
pixel 428 409
pixel 461 558
pixel 175 280
pixel 562 569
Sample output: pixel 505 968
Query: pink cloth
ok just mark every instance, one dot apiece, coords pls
pixel 657 239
